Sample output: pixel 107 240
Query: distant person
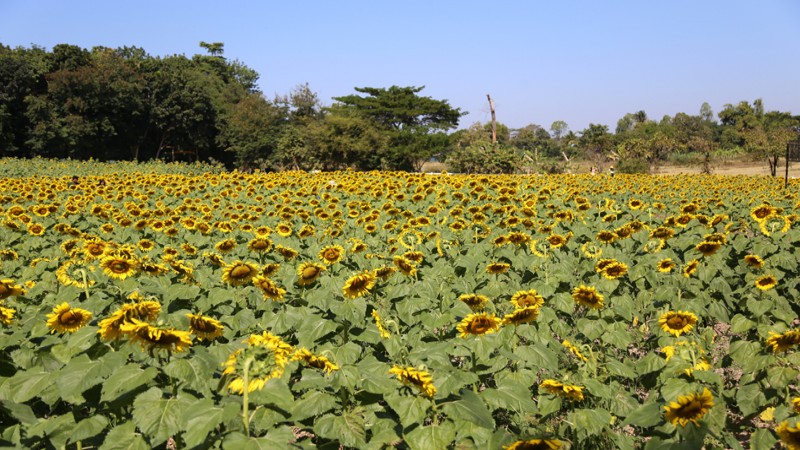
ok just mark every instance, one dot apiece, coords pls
pixel 102 182
pixel 594 170
pixel 611 171
pixel 74 181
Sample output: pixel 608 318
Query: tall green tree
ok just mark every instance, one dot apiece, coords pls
pixel 407 119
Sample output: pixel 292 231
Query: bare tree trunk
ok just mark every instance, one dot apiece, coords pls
pixel 494 120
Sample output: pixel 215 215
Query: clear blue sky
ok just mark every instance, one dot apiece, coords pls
pixel 579 61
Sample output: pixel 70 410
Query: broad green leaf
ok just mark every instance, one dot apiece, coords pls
pixel 590 421
pixel 410 409
pixel 762 439
pixel 124 437
pixel 126 379
pixel 19 411
pixel 87 428
pixel 349 428
pixel 275 439
pixel 470 408
pixel 431 436
pixel 199 419
pixel 312 404
pixel 159 418
pixel 646 416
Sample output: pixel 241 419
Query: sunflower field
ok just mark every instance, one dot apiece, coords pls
pixel 181 306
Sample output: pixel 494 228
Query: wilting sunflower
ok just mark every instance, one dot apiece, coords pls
pixel 7 315
pixel 677 323
pixel 287 252
pixel 523 299
pixel 359 284
pixel 689 408
pixel 155 338
pixel 264 358
pixel 708 248
pixel 535 444
pixel 358 246
pixel 588 296
pixel 239 273
pixel 118 267
pixel 571 392
pixel 766 282
pixel 206 328
pixel 9 289
pixel 497 268
pixel 143 311
pixel 421 379
pixel 606 237
pixel 405 266
pixel 690 268
pixel 521 315
pixel 379 324
pixel 754 261
pixel 270 269
pixel 475 302
pixel 331 254
pixel 316 361
pixel 308 273
pixel 590 250
pixel 384 272
pixel 478 324
pixel 66 319
pixel 268 288
pixel 789 435
pixel 784 341
pixel 573 349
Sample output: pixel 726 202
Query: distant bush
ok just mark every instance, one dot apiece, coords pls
pixel 633 166
pixel 21 167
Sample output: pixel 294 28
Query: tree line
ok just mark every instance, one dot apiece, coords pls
pixel 124 104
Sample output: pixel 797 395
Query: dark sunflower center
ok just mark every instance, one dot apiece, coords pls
pixel 119 267
pixel 331 254
pixel 240 271
pixel 676 322
pixel 358 284
pixel 310 272
pixel 691 409
pixel 480 325
pixel 69 318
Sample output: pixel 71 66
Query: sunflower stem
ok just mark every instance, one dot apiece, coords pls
pixel 245 396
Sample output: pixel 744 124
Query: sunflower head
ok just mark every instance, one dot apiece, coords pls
pixel 239 273
pixel 677 323
pixel 308 273
pixel 204 327
pixel 766 282
pixel 588 296
pixel 478 324
pixel 689 408
pixel 331 254
pixel 66 319
pixel 359 285
pixel 476 302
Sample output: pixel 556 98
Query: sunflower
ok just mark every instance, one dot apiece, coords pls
pixel 421 379
pixel 766 282
pixel 571 392
pixel 316 361
pixel 204 327
pixel 796 404
pixel 270 269
pixel 35 229
pixel 268 288
pixel 154 338
pixel 521 315
pixel 690 268
pixel 558 240
pixel 405 266
pixel 119 268
pixel 414 256
pixel 94 249
pixel 590 250
pixel 66 319
pixel 666 265
pixel 358 246
pixel 588 296
pixel 762 212
pixel 708 248
pixel 789 436
pixel 308 272
pixel 225 246
pixel 379 323
pixel 259 245
pixel 478 324
pixel 535 444
pixel 9 289
pixel 606 237
pixel 614 270
pixel 287 252
pixel 523 299
pixel 518 238
pixel 239 273
pixel 359 285
pixel 384 272
pixel 7 315
pixel 475 302
pixel 573 349
pixel 264 358
pixel 689 408
pixel 284 229
pixel 677 323
pixel 331 254
pixel 497 268
pixel 784 341
pixel 754 261
pixel 662 233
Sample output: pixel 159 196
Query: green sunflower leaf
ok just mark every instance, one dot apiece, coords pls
pixel 470 408
pixel 159 418
pixel 349 428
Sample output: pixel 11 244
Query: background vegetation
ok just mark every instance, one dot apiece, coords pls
pixel 124 104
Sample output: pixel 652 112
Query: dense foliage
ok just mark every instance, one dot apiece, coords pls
pixel 123 104
pixel 387 309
